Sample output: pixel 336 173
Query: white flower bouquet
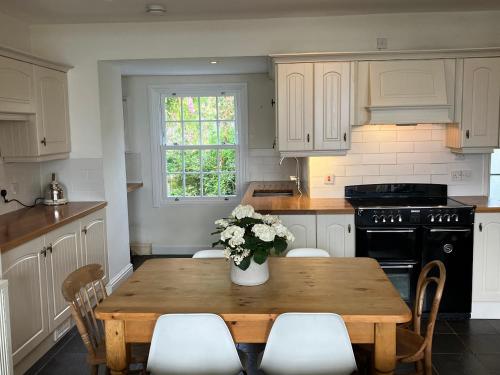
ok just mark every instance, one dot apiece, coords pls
pixel 248 234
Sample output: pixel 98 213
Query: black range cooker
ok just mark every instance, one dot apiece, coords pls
pixel 405 226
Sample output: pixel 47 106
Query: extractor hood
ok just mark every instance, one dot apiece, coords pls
pixel 409 92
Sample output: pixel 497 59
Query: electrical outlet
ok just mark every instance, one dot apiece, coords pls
pixel 456 175
pixel 466 175
pixel 14 188
pixel 381 43
pixel 329 179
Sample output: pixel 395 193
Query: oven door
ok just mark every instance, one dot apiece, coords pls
pixel 404 277
pixel 388 244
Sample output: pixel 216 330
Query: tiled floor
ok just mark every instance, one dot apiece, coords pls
pixel 460 348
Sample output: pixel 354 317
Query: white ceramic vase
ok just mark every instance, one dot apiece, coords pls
pixel 255 274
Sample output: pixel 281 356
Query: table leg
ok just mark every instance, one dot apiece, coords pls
pixel 116 349
pixel 385 348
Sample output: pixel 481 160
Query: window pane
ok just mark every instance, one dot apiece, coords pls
pixel 174 185
pixel 190 108
pixel 173 133
pixel 172 109
pixel 191 133
pixel 209 133
pixel 495 186
pixel 495 162
pixel 227 133
pixel 226 107
pixel 193 185
pixel 192 160
pixel 210 184
pixel 208 107
pixel 228 184
pixel 228 160
pixel 174 161
pixel 209 160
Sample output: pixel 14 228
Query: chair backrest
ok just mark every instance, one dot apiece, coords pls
pixel 213 253
pixel 83 289
pixel 308 343
pixel 424 280
pixel 192 344
pixel 307 252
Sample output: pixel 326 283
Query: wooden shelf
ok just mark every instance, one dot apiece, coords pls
pixel 133 186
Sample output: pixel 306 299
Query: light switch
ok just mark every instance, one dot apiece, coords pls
pixel 329 179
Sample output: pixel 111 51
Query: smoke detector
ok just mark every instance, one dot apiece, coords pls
pixel 156 9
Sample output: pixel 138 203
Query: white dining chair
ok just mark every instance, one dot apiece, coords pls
pixel 213 253
pixel 194 344
pixel 308 343
pixel 307 252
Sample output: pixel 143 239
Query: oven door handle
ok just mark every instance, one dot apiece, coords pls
pixel 437 230
pixel 391 231
pixel 401 266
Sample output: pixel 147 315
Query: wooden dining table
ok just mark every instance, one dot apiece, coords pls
pixel 355 288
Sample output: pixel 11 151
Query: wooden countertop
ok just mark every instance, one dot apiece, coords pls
pixel 293 205
pixel 23 225
pixel 482 203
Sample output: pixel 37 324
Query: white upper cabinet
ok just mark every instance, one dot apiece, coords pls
pixel 16 86
pixel 52 111
pixel 295 107
pixel 331 105
pixel 478 109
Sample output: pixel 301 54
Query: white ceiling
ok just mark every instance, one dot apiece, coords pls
pixel 195 66
pixel 85 11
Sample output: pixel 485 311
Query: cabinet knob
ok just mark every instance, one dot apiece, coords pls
pixel 348 228
pixel 308 138
pixel 273 102
pixel 49 248
pixel 480 227
pixel 84 230
pixel 467 134
pixel 44 141
pixel 345 137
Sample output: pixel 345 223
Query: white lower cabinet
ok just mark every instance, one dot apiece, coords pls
pixel 336 234
pixel 36 271
pixel 24 267
pixel 486 266
pixel 303 228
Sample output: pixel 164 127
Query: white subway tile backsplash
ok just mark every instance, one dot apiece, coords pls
pixel 389 153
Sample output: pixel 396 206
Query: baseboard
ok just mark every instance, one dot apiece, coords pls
pixel 123 275
pixel 178 250
pixel 485 310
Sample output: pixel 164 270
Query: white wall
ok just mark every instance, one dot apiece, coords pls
pixel 166 227
pixel 14 33
pixel 390 153
pixel 113 141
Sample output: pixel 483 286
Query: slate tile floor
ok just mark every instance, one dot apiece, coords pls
pixel 466 347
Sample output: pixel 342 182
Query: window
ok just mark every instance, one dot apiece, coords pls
pixel 495 174
pixel 199 142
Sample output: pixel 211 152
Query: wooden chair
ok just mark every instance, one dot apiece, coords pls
pixel 411 345
pixel 83 289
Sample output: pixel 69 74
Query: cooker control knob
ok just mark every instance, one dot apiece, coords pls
pixel 391 218
pixel 383 218
pixel 431 218
pixel 447 217
pixel 439 218
pixel 375 219
pixel 454 217
pixel 399 218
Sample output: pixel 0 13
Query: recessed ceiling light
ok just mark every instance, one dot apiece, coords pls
pixel 156 9
pixel 214 62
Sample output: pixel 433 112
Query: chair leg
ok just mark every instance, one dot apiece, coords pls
pixel 428 361
pixel 94 370
pixel 419 367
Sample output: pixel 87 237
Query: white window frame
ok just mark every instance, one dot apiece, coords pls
pixel 156 93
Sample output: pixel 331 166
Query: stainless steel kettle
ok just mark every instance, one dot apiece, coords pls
pixel 55 193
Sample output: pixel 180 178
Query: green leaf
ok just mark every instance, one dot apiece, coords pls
pixel 216 243
pixel 260 256
pixel 280 245
pixel 245 263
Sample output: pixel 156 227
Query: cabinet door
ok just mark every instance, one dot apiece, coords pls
pixel 295 107
pixel 336 235
pixel 16 86
pixel 52 111
pixel 486 263
pixel 303 228
pixel 94 249
pixel 331 105
pixel 63 257
pixel 481 102
pixel 24 267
